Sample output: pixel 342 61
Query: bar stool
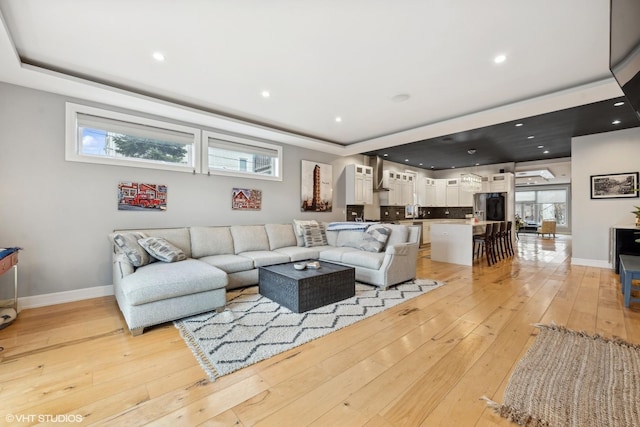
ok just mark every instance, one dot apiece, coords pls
pixel 495 242
pixel 484 243
pixel 509 238
pixel 501 243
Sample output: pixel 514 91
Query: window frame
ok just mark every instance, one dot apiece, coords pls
pixel 73 140
pixel 241 141
pixel 542 188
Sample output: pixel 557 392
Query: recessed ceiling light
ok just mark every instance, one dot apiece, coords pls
pixel 518 125
pixel 500 59
pixel 540 146
pixel 477 164
pixel 432 167
pixel 616 122
pixel 386 155
pixel 406 160
pixel 419 164
pixel 158 56
pixel 618 104
pixel 453 167
pixel 338 119
pixel 401 97
pixel 530 137
pixel 266 94
pixel 545 152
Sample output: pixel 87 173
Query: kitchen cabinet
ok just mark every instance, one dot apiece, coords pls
pixel 427 193
pixel 426 233
pixel 441 192
pixel 465 198
pixel 359 182
pixel 501 182
pixel 486 185
pixel 393 182
pixel 453 192
pixel 401 189
pixel 407 189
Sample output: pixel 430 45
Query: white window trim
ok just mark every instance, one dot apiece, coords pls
pixel 240 140
pixel 73 144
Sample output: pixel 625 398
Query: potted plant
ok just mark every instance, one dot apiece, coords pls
pixel 637 214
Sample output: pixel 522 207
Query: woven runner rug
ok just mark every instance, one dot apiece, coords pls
pixel 253 328
pixel 570 378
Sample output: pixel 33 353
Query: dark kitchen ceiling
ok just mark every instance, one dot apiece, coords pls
pixel 506 142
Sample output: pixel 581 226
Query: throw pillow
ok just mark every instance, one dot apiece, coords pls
pixel 161 249
pixel 128 244
pixel 297 226
pixel 314 235
pixel 375 238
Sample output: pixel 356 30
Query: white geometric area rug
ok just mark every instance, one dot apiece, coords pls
pixel 253 328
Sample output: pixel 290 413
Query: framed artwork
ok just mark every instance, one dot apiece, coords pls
pixel 245 199
pixel 316 187
pixel 614 186
pixel 133 196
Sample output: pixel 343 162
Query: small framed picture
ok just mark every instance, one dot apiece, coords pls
pixel 137 196
pixel 614 186
pixel 245 199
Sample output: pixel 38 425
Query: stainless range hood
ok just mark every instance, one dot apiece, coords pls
pixel 378 175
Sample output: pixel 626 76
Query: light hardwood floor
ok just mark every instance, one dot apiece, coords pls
pixel 426 362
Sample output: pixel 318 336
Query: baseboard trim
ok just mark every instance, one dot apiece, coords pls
pixel 63 297
pixel 591 263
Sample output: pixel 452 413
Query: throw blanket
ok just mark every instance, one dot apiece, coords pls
pixel 349 225
pixel 4 252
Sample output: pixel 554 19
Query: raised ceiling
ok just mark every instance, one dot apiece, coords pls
pixel 393 73
pixel 546 136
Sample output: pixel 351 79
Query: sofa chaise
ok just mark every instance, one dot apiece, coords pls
pixel 160 275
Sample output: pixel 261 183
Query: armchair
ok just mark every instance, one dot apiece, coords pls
pixel 547 227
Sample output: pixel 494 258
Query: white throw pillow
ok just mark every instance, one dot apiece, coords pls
pixel 375 238
pixel 314 235
pixel 127 242
pixel 161 249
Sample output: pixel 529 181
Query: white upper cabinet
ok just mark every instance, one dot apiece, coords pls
pixel 407 189
pixel 501 182
pixel 427 192
pixel 359 181
pixel 453 192
pixel 441 192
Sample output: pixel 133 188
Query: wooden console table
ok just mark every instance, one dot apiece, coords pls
pixel 9 261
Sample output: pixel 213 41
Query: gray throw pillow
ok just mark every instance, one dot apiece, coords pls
pixel 375 238
pixel 314 235
pixel 161 249
pixel 127 242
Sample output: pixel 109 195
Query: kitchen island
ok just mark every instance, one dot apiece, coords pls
pixel 453 241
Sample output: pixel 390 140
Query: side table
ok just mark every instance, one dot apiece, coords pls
pixel 9 308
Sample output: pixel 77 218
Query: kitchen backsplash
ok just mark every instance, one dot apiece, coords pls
pixel 355 211
pixel 396 213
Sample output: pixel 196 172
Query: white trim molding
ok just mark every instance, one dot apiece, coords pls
pixel 591 262
pixel 64 297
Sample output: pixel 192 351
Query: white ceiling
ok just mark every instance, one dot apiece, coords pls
pixel 318 60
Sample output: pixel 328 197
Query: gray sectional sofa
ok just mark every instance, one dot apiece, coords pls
pixel 198 264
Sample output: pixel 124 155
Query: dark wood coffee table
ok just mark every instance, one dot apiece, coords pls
pixel 304 290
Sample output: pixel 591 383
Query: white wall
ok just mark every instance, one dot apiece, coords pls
pixel 611 152
pixel 61 212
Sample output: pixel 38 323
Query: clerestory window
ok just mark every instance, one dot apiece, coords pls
pixel 101 136
pixel 239 156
